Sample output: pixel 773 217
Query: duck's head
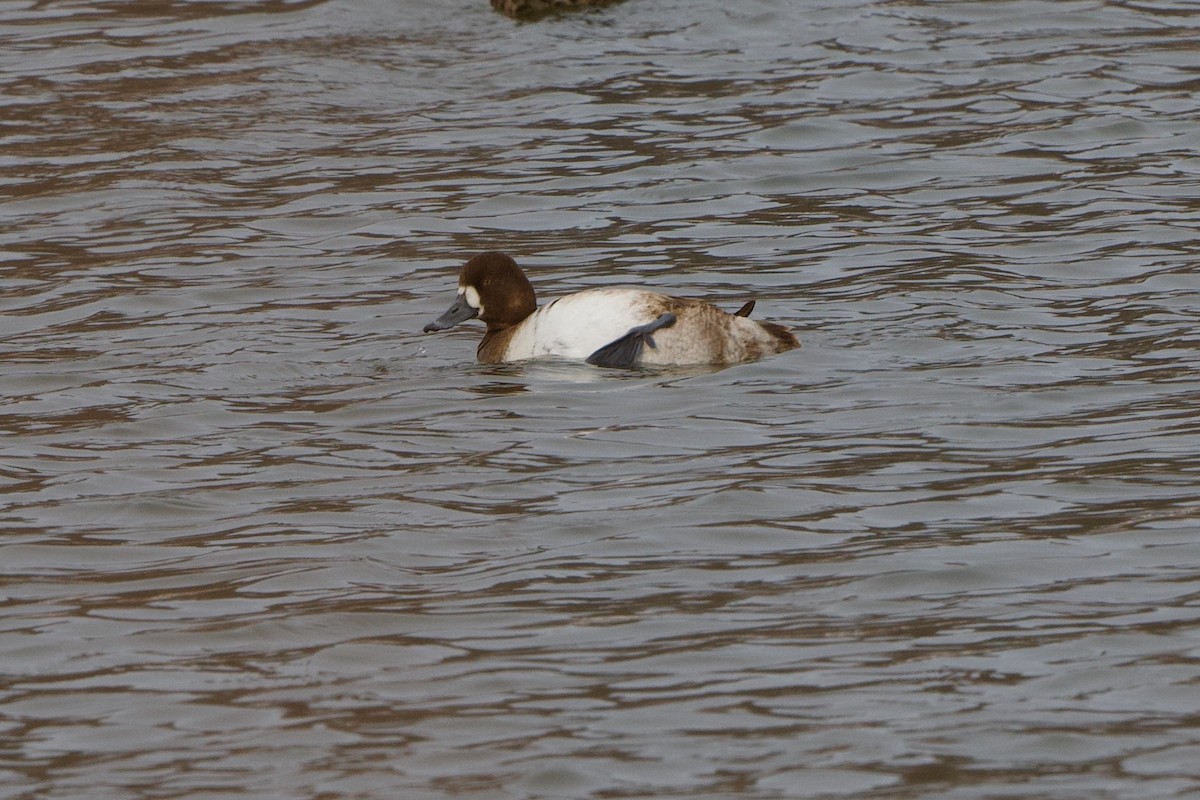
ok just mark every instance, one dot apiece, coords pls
pixel 493 288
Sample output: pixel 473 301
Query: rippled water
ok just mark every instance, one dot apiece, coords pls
pixel 263 538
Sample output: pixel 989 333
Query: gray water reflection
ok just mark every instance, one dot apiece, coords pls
pixel 263 538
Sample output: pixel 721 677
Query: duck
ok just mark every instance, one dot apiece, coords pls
pixel 619 327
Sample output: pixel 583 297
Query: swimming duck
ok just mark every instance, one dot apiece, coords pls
pixel 608 327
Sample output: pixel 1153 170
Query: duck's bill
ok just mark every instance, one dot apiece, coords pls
pixel 460 311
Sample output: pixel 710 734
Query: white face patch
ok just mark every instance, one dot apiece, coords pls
pixel 472 295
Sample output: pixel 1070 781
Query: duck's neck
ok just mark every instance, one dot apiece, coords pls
pixel 494 346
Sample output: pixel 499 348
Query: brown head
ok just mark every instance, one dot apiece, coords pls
pixel 493 288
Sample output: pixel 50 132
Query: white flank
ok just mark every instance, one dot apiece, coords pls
pixel 578 325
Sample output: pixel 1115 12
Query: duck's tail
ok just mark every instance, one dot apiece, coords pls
pixel 783 336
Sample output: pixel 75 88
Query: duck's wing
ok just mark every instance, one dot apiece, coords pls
pixel 745 310
pixel 625 351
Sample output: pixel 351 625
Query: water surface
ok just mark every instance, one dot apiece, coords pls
pixel 263 538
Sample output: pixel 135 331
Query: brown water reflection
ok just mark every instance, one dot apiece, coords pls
pixel 263 538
